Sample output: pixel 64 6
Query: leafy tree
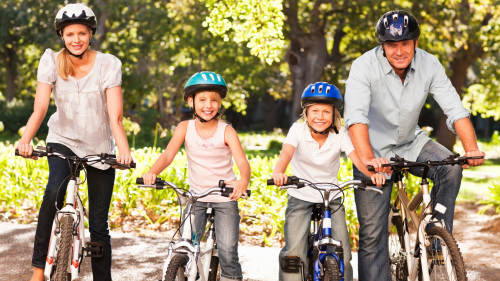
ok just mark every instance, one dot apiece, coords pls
pixel 322 37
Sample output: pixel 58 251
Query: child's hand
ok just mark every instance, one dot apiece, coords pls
pixel 280 179
pixel 240 187
pixel 149 178
pixel 378 179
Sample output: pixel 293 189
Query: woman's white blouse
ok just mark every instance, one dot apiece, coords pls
pixel 81 121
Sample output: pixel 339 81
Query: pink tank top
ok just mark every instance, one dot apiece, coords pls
pixel 209 160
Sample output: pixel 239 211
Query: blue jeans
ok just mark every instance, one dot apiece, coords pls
pixel 373 211
pixel 227 231
pixel 297 227
pixel 100 189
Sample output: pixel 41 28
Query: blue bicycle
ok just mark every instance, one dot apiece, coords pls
pixel 325 256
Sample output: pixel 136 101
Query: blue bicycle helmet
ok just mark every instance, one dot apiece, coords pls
pixel 205 81
pixel 397 26
pixel 322 92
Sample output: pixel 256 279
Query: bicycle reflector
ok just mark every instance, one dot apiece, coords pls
pixel 440 208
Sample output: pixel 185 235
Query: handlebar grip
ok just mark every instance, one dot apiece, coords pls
pixel 370 168
pixel 370 183
pixel 34 153
pixel 227 191
pixel 132 165
pixel 139 181
pixel 270 182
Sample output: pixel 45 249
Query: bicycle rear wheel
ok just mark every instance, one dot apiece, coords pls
pixel 332 270
pixel 64 249
pixel 175 267
pixel 397 251
pixel 444 259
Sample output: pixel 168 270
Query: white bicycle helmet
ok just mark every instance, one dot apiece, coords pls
pixel 75 13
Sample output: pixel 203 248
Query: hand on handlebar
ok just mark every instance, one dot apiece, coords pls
pixel 280 179
pixel 240 187
pixel 124 159
pixel 377 164
pixel 25 150
pixel 149 178
pixel 378 179
pixel 474 162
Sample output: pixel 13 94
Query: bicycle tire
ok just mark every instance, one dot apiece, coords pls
pixel 214 269
pixel 332 269
pixel 397 258
pixel 65 248
pixel 177 262
pixel 435 260
pixel 311 258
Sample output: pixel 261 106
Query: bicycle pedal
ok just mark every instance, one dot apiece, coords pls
pixel 291 264
pixel 94 250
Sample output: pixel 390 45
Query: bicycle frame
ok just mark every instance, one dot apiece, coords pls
pixel 191 246
pixel 323 239
pixel 420 222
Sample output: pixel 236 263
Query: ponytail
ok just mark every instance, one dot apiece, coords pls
pixel 64 65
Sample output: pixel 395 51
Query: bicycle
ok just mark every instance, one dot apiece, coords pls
pixel 187 259
pixel 68 246
pixel 433 254
pixel 324 255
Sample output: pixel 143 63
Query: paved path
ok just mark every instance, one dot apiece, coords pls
pixel 134 258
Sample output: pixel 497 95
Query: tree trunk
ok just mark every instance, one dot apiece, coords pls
pixel 10 63
pixel 307 58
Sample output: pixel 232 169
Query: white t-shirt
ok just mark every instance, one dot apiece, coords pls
pixel 81 121
pixel 313 163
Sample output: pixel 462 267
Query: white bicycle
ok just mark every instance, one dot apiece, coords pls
pixel 68 246
pixel 189 258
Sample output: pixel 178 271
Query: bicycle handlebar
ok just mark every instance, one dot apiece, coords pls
pixel 295 182
pixel 161 184
pixel 401 163
pixel 105 158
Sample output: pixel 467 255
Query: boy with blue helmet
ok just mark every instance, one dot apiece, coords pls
pixel 313 149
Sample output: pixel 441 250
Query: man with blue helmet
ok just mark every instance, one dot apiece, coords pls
pixel 385 92
pixel 313 149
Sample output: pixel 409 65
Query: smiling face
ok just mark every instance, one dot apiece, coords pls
pixel 400 54
pixel 76 38
pixel 320 116
pixel 206 104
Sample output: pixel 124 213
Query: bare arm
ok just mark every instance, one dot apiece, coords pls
pixel 42 101
pixel 465 132
pixel 240 186
pixel 168 155
pixel 361 142
pixel 286 155
pixel 114 100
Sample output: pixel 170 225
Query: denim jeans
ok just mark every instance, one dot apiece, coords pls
pixel 100 189
pixel 227 231
pixel 297 227
pixel 373 211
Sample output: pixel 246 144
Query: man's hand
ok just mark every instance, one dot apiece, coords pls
pixel 377 164
pixel 474 162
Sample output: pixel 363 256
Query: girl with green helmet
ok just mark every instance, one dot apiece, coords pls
pixel 210 147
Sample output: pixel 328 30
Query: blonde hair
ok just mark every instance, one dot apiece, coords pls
pixel 65 67
pixel 337 120
pixel 212 95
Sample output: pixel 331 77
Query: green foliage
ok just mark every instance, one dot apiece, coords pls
pixel 493 200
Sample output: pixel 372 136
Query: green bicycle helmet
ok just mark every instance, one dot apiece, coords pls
pixel 205 81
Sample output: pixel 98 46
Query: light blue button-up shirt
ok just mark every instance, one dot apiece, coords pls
pixel 376 96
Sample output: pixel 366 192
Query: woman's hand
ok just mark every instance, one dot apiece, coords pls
pixel 240 187
pixel 25 150
pixel 378 179
pixel 124 159
pixel 280 179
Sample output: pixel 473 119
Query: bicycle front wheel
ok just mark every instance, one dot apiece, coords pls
pixel 397 252
pixel 65 249
pixel 332 270
pixel 175 268
pixel 444 259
